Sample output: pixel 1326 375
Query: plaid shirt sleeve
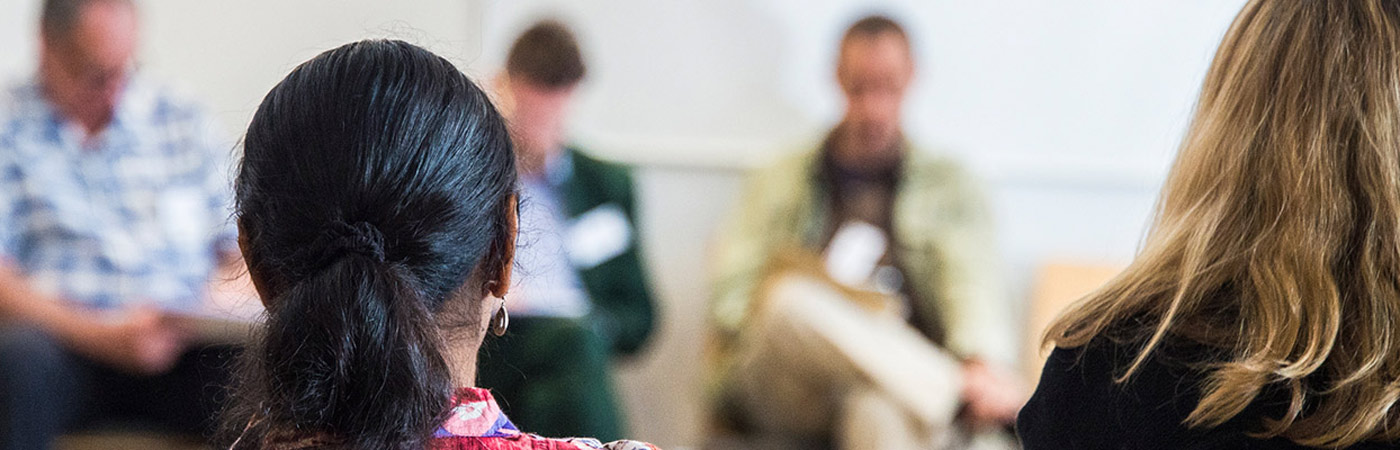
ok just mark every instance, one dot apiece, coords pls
pixel 9 192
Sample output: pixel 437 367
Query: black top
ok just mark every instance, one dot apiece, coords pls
pixel 1078 406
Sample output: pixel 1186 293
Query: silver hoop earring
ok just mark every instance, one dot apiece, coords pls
pixel 500 321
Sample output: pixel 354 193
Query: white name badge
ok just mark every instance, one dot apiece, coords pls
pixel 854 253
pixel 598 235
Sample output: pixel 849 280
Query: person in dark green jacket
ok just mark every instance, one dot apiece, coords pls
pixel 580 298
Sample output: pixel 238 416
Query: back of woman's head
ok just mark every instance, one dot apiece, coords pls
pixel 1277 237
pixel 375 182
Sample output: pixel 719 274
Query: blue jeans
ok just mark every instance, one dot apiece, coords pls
pixel 46 390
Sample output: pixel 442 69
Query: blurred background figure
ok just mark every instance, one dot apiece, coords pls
pixel 885 217
pixel 113 211
pixel 581 297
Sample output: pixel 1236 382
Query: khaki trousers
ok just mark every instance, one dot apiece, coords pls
pixel 814 363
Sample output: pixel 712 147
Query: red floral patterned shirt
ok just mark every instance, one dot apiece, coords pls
pixel 477 423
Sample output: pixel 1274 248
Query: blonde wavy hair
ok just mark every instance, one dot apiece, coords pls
pixel 1276 240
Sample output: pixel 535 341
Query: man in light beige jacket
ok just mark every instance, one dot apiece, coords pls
pixel 933 250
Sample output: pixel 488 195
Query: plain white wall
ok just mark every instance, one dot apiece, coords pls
pixel 231 53
pixel 1013 86
pixel 1070 110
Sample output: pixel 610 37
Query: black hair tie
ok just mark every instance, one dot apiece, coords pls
pixel 341 238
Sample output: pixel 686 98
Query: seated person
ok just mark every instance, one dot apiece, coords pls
pixel 914 221
pixel 114 208
pixel 376 200
pixel 1262 311
pixel 580 297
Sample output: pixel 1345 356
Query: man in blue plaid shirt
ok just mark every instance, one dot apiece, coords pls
pixel 114 211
